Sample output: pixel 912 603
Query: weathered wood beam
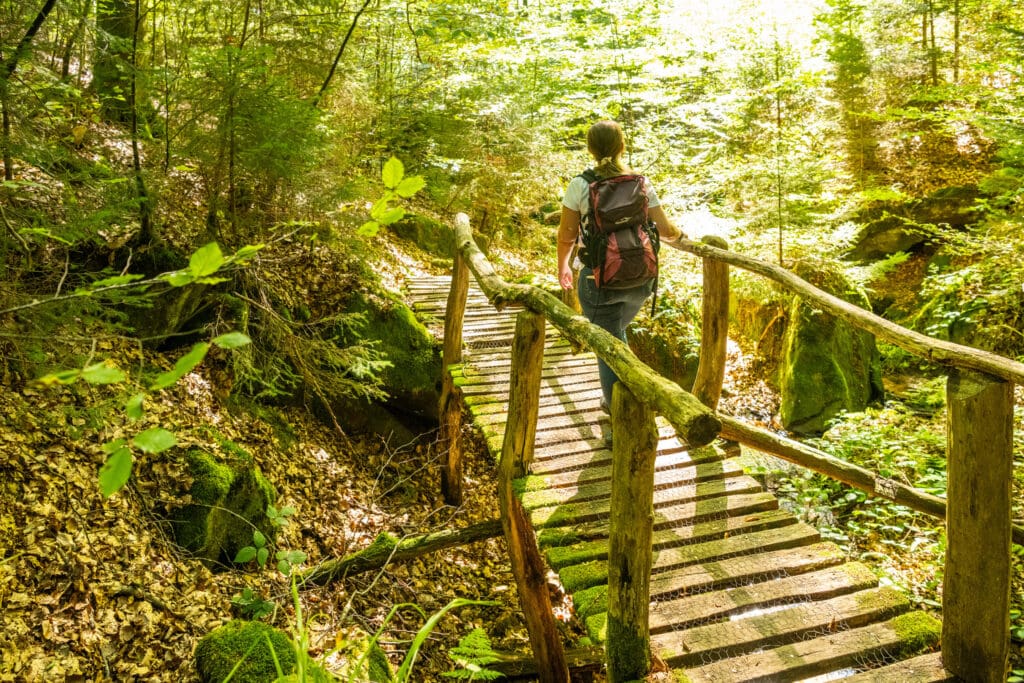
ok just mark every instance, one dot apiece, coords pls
pixel 831 466
pixel 634 448
pixel 450 404
pixel 714 329
pixel 387 549
pixel 935 350
pixel 524 389
pixel 976 582
pixel 693 421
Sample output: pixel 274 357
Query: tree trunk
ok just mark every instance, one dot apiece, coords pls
pixel 115 20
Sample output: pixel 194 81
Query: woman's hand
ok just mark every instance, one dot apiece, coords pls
pixel 565 277
pixel 568 229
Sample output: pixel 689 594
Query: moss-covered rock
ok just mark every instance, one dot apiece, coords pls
pixel 429 235
pixel 827 366
pixel 413 380
pixel 248 645
pixel 229 501
pixel 671 356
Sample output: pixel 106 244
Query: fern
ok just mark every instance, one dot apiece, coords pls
pixel 472 655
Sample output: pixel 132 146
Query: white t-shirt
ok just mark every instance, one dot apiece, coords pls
pixel 576 195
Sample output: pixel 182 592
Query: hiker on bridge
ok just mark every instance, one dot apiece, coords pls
pixel 619 264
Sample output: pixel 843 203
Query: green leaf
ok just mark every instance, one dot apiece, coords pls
pixel 115 472
pixel 392 174
pixel 206 260
pixel 261 556
pixel 101 373
pixel 258 539
pixel 210 280
pixel 111 446
pixel 244 555
pixel 62 377
pixel 245 253
pixel 232 340
pixel 182 367
pixel 133 408
pixel 179 278
pixel 368 229
pixel 154 440
pixel 285 567
pixel 410 186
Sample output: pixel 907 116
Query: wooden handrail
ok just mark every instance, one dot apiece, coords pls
pixel 694 422
pixel 929 348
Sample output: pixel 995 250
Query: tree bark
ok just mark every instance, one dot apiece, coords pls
pixel 386 550
pixel 341 51
pixel 524 389
pixel 976 583
pixel 714 330
pixel 450 410
pixel 934 350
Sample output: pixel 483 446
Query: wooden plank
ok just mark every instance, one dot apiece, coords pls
pixel 694 511
pixel 674 485
pixel 547 512
pixel 587 574
pixel 552 460
pixel 681 471
pixel 692 646
pixel 923 669
pixel 592 538
pixel 832 652
pixel 718 574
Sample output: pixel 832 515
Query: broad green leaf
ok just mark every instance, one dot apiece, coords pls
pixel 115 472
pixel 410 186
pixel 393 172
pixel 180 278
pixel 210 280
pixel 232 340
pixel 101 373
pixel 62 377
pixel 246 252
pixel 379 208
pixel 261 556
pixel 392 215
pixel 258 539
pixel 206 260
pixel 133 408
pixel 245 554
pixel 154 440
pixel 285 567
pixel 368 229
pixel 182 367
pixel 113 445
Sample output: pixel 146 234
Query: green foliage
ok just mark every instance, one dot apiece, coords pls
pixel 396 186
pixel 472 655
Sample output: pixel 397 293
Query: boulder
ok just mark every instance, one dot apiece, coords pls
pixel 891 226
pixel 432 236
pixel 827 366
pixel 252 647
pixel 229 501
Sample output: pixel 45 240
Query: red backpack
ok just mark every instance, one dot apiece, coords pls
pixel 620 242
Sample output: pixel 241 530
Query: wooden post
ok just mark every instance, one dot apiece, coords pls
pixel 524 390
pixel 976 585
pixel 634 447
pixel 450 408
pixel 527 564
pixel 707 385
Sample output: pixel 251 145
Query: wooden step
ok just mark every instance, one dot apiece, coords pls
pixel 691 647
pixel 710 576
pixel 667 471
pixel 897 637
pixel 587 574
pixel 924 669
pixel 705 608
pixel 596 548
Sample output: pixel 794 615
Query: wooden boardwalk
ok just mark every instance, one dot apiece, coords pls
pixel 740 590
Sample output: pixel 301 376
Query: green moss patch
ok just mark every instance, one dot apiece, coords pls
pixel 584 575
pixel 229 501
pixel 917 631
pixel 590 601
pixel 248 645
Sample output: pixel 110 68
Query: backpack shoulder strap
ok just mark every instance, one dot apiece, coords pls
pixel 588 175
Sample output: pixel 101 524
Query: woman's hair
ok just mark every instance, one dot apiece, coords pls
pixel 606 143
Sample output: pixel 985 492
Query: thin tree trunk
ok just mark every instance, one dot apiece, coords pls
pixel 956 41
pixel 341 51
pixel 146 233
pixel 5 78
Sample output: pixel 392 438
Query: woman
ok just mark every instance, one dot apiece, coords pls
pixel 610 309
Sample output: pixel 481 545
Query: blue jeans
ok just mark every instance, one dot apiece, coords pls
pixel 611 310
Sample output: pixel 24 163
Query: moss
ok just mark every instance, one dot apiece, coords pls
pixel 916 631
pixel 230 498
pixel 625 647
pixel 429 235
pixel 246 641
pixel 577 554
pixel 584 575
pixel 590 601
pixel 557 536
pixel 529 483
pixel 597 627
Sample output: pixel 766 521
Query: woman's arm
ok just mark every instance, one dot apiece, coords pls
pixel 568 229
pixel 667 230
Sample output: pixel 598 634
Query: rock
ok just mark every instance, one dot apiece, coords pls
pixel 677 362
pixel 891 226
pixel 230 498
pixel 827 365
pixel 248 645
pixel 430 235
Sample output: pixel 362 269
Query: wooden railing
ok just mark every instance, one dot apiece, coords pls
pixel 975 636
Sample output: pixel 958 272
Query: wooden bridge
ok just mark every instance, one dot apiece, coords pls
pixel 671 553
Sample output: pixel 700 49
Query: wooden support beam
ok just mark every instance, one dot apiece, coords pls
pixel 976 583
pixel 524 389
pixel 634 449
pixel 714 330
pixel 450 404
pixel 527 564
